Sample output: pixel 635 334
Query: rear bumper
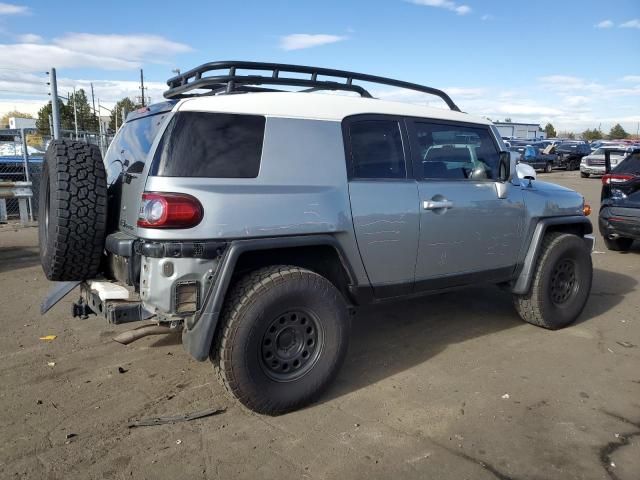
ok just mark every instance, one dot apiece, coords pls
pixel 613 225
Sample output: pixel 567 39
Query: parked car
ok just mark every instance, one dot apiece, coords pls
pixel 535 156
pixel 619 218
pixel 570 154
pixel 255 220
pixel 593 164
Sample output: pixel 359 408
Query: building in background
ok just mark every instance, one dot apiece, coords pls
pixel 531 131
pixel 18 123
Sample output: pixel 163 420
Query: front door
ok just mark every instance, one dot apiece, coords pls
pixel 384 201
pixel 471 223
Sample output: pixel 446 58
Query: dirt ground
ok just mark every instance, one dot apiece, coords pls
pixel 453 386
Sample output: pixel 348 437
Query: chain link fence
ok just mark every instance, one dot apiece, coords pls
pixel 21 170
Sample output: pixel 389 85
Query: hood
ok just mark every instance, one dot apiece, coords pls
pixel 554 187
pixel 546 199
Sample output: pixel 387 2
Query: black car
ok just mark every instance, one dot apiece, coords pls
pixel 570 154
pixel 619 218
pixel 534 155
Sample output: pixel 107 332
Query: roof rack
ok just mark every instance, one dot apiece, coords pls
pixel 230 81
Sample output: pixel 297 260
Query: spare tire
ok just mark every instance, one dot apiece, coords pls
pixel 72 212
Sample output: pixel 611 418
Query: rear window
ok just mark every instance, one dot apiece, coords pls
pixel 214 145
pixel 631 165
pixel 130 147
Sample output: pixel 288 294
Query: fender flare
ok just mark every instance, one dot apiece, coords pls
pixel 197 338
pixel 523 280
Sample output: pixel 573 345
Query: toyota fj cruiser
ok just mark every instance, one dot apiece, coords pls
pixel 255 220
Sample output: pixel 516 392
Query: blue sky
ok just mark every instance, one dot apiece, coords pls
pixel 574 63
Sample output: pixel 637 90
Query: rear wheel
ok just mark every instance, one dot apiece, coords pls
pixel 561 283
pixel 584 175
pixel 282 339
pixel 620 244
pixel 72 211
pixel 548 167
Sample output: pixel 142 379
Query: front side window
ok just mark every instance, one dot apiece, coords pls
pixel 455 152
pixel 376 149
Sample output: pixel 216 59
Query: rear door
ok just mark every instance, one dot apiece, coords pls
pixel 467 232
pixel 125 161
pixel 384 200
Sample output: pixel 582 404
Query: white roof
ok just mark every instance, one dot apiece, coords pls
pixel 315 106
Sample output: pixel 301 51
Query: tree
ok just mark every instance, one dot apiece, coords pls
pixel 4 120
pixel 42 122
pixel 617 132
pixel 87 121
pixel 549 131
pixel 507 120
pixel 590 135
pixel 125 104
pixel 571 136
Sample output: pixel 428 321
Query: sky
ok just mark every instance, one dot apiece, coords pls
pixel 575 64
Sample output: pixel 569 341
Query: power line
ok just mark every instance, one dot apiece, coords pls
pixel 24 93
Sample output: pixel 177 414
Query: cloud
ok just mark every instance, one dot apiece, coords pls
pixel 10 9
pixel 635 23
pixel 567 83
pixel 486 17
pixel 631 78
pixel 446 4
pixel 132 47
pixel 604 24
pixel 85 50
pixel 298 41
pixel 29 38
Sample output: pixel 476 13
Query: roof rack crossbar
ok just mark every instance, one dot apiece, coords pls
pixel 195 79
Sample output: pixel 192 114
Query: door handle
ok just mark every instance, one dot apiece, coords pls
pixel 436 204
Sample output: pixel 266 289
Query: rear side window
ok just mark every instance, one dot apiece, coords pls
pixel 214 145
pixel 376 149
pixel 630 165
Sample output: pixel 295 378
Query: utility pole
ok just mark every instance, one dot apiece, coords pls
pixel 124 115
pixel 142 86
pixel 54 104
pixel 99 128
pixel 75 112
pixel 93 100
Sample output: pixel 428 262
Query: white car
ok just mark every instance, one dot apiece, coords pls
pixel 593 164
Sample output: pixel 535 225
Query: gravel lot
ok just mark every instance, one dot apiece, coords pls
pixel 450 387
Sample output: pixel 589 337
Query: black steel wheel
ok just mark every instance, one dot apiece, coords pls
pixel 563 281
pixel 291 345
pixel 282 338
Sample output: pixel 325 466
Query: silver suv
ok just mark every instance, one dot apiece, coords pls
pixel 256 220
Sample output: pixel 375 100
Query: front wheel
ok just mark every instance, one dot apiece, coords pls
pixel 584 175
pixel 548 167
pixel 282 339
pixel 561 283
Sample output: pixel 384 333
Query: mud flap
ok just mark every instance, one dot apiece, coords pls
pixel 57 293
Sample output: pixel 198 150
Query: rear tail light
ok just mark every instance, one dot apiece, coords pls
pixel 169 210
pixel 610 178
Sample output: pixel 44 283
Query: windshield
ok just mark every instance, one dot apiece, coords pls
pixel 601 151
